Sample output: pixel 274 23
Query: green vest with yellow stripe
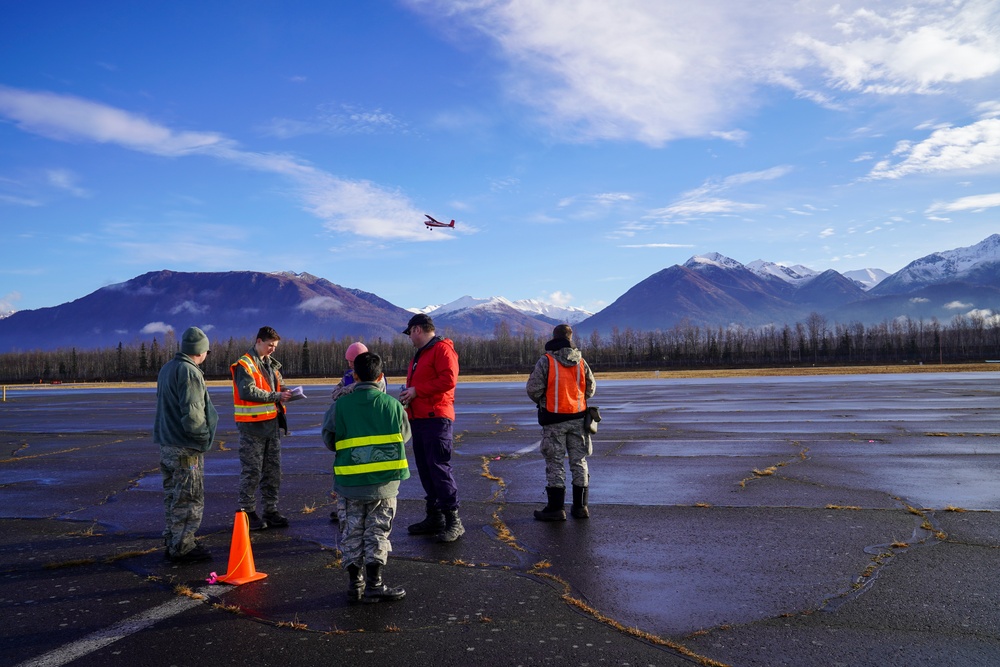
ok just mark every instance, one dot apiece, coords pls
pixel 369 439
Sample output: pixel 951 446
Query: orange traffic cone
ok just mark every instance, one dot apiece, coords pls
pixel 241 568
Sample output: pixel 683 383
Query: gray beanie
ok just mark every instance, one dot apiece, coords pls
pixel 194 342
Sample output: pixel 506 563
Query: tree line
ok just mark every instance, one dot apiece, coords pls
pixel 966 338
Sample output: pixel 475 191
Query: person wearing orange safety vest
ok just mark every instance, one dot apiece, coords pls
pixel 258 406
pixel 560 385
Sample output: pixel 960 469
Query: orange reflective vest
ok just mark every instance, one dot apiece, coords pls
pixel 248 411
pixel 566 393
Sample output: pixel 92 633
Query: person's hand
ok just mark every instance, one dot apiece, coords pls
pixel 407 395
pixel 286 395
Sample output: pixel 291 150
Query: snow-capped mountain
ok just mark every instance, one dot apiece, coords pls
pixel 946 266
pixel 795 275
pixel 530 307
pixel 558 314
pixel 713 259
pixel 717 291
pixel 480 316
pixel 867 278
pixel 426 309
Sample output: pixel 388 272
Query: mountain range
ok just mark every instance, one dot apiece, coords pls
pixel 707 290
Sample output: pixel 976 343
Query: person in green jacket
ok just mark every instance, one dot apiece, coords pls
pixel 367 429
pixel 184 428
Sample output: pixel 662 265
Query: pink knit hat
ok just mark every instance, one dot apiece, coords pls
pixel 353 350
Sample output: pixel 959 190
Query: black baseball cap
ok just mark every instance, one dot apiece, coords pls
pixel 420 320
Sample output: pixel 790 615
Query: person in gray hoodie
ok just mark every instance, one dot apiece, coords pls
pixel 184 428
pixel 560 385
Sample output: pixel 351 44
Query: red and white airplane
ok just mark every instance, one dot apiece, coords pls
pixel 431 222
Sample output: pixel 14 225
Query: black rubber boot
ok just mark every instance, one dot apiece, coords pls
pixel 453 528
pixel 579 509
pixel 375 588
pixel 356 584
pixel 432 525
pixel 556 509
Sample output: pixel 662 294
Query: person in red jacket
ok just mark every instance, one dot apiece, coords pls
pixel 429 397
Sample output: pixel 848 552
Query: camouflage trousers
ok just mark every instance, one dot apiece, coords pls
pixel 364 530
pixel 183 472
pixel 260 465
pixel 560 440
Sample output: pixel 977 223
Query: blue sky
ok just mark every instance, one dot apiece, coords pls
pixel 581 145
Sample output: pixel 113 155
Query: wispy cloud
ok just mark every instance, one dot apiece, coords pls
pixel 189 307
pixel 65 179
pixel 19 201
pixel 69 118
pixel 645 72
pixel 970 203
pixel 338 119
pixel 355 207
pixel 706 200
pixel 657 245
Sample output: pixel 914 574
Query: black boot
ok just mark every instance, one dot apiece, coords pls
pixel 579 509
pixel 432 525
pixel 453 528
pixel 356 584
pixel 556 509
pixel 375 588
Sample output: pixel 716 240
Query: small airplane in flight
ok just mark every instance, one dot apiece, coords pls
pixel 431 222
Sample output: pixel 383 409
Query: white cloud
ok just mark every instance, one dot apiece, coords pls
pixel 970 203
pixel 188 307
pixel 906 49
pixel 644 70
pixel 356 207
pixel 826 233
pixel 990 109
pixel 71 118
pixel 920 299
pixel 968 147
pixel 320 305
pixel 156 327
pixel 560 298
pixel 8 301
pixel 957 305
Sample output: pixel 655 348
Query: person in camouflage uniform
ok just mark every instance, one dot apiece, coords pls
pixel 560 385
pixel 258 399
pixel 367 429
pixel 184 428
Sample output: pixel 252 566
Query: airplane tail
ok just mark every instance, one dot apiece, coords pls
pixel 452 223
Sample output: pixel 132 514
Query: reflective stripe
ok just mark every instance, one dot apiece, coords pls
pixel 255 410
pixel 392 438
pixel 249 411
pixel 363 468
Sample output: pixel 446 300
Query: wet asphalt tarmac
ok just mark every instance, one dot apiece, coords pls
pixel 835 520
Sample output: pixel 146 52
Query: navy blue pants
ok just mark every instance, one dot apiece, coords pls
pixel 432 444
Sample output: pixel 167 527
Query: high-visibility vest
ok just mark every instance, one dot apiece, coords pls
pixel 248 411
pixel 369 441
pixel 567 390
